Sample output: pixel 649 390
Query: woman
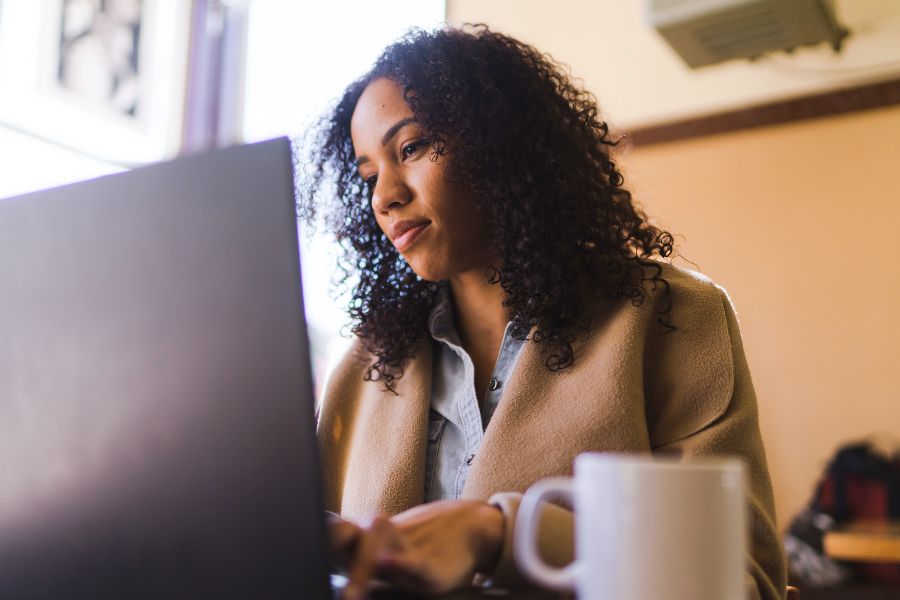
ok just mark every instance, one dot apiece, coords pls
pixel 509 315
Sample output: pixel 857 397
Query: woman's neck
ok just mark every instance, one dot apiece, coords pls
pixel 480 316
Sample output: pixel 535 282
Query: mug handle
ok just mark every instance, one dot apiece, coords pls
pixel 524 541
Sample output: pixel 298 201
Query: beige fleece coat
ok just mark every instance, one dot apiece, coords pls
pixel 632 388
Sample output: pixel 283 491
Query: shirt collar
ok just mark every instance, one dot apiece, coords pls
pixel 440 321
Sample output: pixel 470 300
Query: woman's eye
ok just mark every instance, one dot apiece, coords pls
pixel 411 148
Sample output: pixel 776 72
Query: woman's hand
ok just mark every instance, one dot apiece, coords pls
pixel 431 548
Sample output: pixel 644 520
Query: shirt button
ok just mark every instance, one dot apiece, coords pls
pixel 494 384
pixel 470 459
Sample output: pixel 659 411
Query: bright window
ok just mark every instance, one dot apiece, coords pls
pixel 30 164
pixel 300 56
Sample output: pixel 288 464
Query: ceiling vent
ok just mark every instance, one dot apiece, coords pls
pixel 705 32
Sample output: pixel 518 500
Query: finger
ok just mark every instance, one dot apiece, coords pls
pixel 371 543
pixel 343 537
pixel 341 533
pixel 405 572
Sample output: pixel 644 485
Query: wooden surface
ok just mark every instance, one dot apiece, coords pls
pixel 854 591
pixel 867 541
pixel 380 591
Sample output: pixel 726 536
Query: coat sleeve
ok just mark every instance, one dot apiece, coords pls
pixel 555 539
pixel 736 433
pixel 720 419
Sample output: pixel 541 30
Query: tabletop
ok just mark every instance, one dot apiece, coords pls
pixel 866 541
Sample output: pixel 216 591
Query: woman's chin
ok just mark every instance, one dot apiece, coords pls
pixel 426 269
pixel 430 267
pixel 429 275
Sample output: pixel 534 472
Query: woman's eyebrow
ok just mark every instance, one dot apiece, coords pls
pixel 393 129
pixel 390 133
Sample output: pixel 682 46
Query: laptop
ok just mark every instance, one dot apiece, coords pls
pixel 156 406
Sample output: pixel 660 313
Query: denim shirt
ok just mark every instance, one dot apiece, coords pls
pixel 456 422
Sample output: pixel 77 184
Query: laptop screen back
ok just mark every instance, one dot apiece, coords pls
pixel 156 409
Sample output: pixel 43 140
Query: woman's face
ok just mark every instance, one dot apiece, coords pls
pixel 431 221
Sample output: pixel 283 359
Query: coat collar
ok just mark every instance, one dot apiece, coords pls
pixel 387 457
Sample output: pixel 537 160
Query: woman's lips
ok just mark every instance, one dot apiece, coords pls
pixel 408 234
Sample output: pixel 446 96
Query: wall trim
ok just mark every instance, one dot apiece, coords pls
pixel 865 97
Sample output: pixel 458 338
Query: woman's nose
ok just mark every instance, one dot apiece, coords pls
pixel 390 192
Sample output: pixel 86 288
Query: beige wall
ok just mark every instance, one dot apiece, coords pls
pixel 800 224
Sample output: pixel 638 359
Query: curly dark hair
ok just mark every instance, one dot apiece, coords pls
pixel 532 147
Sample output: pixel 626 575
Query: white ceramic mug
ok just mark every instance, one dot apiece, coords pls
pixel 645 529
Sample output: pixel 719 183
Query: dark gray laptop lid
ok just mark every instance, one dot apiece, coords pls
pixel 156 408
